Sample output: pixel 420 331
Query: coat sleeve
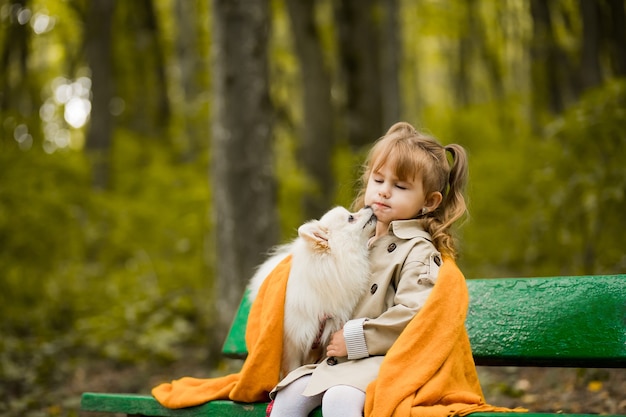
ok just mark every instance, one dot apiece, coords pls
pixel 412 286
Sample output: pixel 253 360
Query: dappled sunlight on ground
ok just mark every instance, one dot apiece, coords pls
pixel 566 390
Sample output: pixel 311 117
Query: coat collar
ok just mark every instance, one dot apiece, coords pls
pixel 408 229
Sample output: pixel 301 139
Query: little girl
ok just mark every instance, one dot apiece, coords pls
pixel 417 195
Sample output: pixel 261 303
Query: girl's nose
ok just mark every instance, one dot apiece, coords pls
pixel 383 192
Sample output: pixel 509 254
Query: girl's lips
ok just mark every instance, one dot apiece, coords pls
pixel 379 206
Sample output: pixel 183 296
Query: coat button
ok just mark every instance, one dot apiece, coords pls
pixel 332 361
pixel 391 247
pixel 373 288
pixel 437 260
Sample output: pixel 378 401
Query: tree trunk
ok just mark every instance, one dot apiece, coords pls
pixel 156 50
pixel 489 56
pixel 20 94
pixel 192 78
pixel 391 55
pixel 317 137
pixel 462 79
pixel 590 71
pixel 550 68
pixel 359 41
pixel 98 53
pixel 244 190
pixel 617 36
pixel 146 93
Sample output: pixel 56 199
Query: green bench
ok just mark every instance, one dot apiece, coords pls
pixel 575 322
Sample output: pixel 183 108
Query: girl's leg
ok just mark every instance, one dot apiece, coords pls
pixel 289 402
pixel 343 401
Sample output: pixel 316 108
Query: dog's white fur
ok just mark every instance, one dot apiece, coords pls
pixel 329 274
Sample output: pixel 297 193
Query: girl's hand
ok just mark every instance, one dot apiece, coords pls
pixel 337 345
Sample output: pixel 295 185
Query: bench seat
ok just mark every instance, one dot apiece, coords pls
pixel 575 322
pixel 145 405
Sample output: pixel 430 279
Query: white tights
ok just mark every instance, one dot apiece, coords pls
pixel 338 401
pixel 343 401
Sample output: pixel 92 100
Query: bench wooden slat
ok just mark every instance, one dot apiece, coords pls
pixel 558 321
pixel 564 321
pixel 235 343
pixel 146 405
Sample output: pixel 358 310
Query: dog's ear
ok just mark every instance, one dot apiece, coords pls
pixel 314 234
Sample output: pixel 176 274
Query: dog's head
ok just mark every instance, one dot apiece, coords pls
pixel 339 226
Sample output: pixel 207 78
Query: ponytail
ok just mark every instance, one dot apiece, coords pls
pixel 453 206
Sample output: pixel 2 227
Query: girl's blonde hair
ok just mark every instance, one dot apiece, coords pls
pixel 412 153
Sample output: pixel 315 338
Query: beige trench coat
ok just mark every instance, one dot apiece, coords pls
pixel 404 268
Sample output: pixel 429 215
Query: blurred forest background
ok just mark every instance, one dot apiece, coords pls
pixel 152 151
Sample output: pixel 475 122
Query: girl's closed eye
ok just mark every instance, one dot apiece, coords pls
pixel 403 185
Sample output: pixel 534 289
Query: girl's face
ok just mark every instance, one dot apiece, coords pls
pixel 392 198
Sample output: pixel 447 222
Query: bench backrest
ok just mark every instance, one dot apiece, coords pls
pixel 557 321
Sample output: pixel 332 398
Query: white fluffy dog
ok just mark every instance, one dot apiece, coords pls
pixel 329 274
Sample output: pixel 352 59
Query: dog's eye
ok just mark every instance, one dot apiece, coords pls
pixel 350 218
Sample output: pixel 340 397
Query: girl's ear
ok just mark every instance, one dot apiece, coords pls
pixel 314 234
pixel 433 201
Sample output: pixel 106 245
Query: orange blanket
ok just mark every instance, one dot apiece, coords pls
pixel 260 371
pixel 429 371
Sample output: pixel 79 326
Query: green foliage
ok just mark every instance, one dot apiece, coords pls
pixel 540 205
pixel 498 156
pixel 348 167
pixel 120 274
pixel 583 179
pixel 292 184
